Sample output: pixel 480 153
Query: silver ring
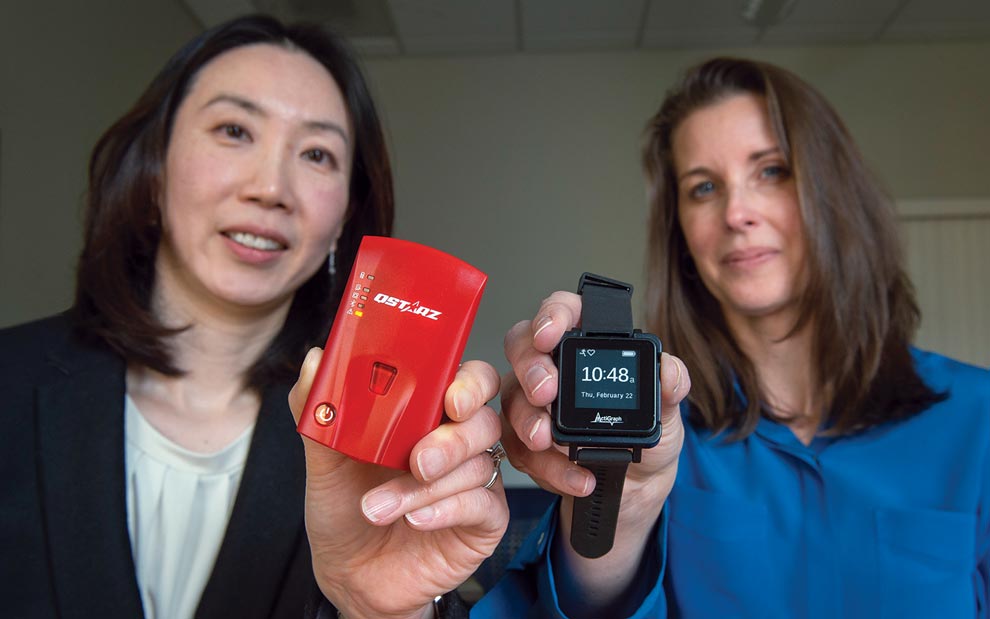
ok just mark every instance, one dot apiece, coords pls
pixel 496 452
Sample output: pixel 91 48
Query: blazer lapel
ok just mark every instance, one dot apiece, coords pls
pixel 266 524
pixel 80 430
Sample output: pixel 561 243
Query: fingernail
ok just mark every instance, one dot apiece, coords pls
pixel 430 462
pixel 666 360
pixel 379 504
pixel 542 324
pixel 577 481
pixel 535 428
pixel 535 377
pixel 422 515
pixel 462 403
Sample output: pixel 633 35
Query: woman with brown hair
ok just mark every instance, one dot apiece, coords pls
pixel 150 462
pixel 820 466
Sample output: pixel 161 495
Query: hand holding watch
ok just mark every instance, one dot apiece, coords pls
pixel 608 404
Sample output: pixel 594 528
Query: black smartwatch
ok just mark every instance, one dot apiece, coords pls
pixel 608 404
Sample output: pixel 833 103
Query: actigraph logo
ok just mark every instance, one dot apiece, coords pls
pixel 609 419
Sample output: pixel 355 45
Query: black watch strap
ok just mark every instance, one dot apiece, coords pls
pixel 606 309
pixel 606 306
pixel 595 516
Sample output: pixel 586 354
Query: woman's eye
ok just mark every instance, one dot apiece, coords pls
pixel 702 189
pixel 776 171
pixel 321 157
pixel 232 131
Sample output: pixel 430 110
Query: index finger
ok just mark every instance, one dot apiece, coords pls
pixel 475 383
pixel 558 313
pixel 528 344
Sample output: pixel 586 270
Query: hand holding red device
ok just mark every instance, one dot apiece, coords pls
pixel 393 350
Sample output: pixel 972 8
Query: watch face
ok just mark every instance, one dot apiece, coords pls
pixel 607 386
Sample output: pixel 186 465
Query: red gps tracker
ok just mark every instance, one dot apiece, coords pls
pixel 393 350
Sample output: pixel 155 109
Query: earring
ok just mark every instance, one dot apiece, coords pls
pixel 332 263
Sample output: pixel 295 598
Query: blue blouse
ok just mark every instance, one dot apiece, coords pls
pixel 890 522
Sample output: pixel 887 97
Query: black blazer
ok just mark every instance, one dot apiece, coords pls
pixel 64 547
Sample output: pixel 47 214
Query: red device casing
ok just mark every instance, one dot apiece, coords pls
pixel 393 350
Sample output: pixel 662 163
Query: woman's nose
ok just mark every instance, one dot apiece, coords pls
pixel 267 183
pixel 739 209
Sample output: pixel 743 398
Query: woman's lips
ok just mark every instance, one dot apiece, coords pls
pixel 254 241
pixel 255 246
pixel 749 257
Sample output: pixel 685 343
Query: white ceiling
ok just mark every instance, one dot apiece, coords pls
pixel 456 27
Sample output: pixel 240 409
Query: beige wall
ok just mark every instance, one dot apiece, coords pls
pixel 526 166
pixel 67 70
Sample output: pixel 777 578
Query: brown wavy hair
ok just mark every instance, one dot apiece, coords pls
pixel 859 299
pixel 116 269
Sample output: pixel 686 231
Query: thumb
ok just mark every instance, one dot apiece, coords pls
pixel 300 391
pixel 675 384
pixel 320 459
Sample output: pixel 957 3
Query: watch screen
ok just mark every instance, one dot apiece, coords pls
pixel 606 378
pixel 607 385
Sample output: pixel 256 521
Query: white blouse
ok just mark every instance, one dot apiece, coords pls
pixel 178 505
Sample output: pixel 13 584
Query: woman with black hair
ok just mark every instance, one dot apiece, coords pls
pixel 150 462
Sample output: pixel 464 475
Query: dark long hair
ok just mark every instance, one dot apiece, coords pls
pixel 116 270
pixel 858 299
